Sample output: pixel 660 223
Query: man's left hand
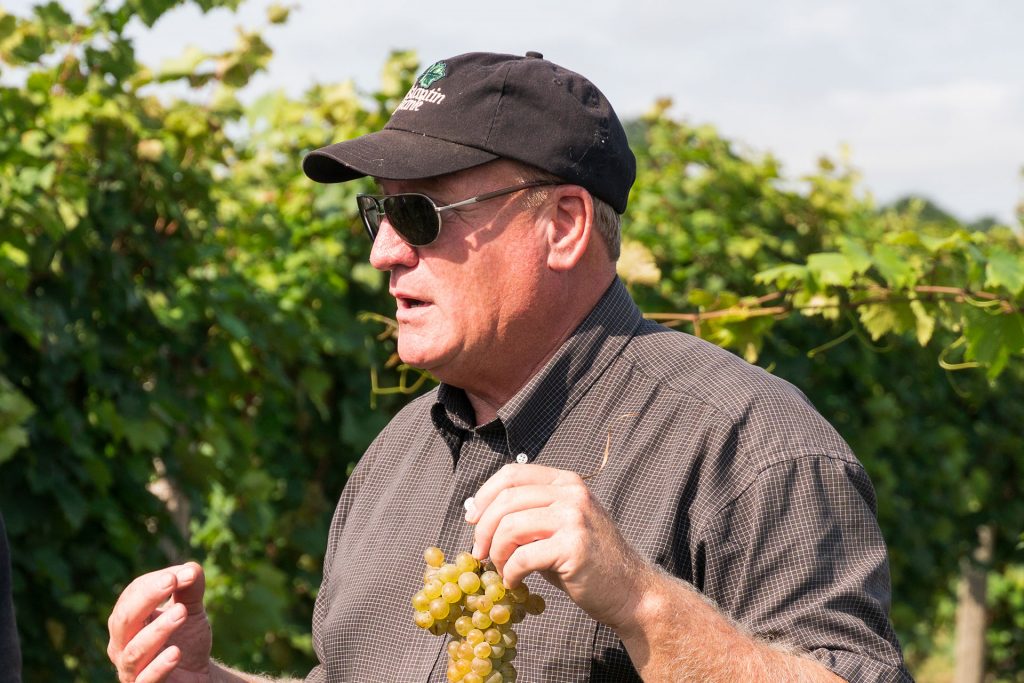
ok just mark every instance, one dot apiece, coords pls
pixel 534 518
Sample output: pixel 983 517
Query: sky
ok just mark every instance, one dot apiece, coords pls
pixel 928 96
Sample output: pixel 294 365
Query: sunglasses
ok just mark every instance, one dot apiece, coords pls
pixel 416 217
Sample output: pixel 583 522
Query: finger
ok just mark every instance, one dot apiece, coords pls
pixel 161 666
pixel 507 501
pixel 146 645
pixel 191 586
pixel 515 475
pixel 541 555
pixel 525 528
pixel 137 602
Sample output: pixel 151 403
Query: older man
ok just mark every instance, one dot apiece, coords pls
pixel 692 517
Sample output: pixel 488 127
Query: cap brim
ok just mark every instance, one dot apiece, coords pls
pixel 392 154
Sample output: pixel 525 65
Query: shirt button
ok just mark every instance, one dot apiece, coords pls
pixel 522 458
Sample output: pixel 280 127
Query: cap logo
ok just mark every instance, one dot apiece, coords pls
pixel 419 94
pixel 433 74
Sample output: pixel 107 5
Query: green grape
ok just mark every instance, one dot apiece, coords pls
pixel 484 604
pixel 464 625
pixel 510 654
pixel 433 556
pixel 448 573
pixel 495 677
pixel 466 563
pixel 475 637
pixel 481 620
pixel 495 592
pixel 439 627
pixel 471 602
pixel 423 619
pixel 472 677
pixel 520 593
pixel 420 601
pixel 490 577
pixel 466 650
pixel 482 666
pixel 500 614
pixel 482 650
pixel 439 608
pixel 509 638
pixel 469 582
pixel 508 672
pixel 534 604
pixel 497 650
pixel 451 592
pixel 432 588
pixel 518 614
pixel 453 649
pixel 464 665
pixel 492 636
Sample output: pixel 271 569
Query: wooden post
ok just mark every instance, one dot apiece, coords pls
pixel 972 612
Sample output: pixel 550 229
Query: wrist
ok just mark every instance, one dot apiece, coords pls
pixel 646 603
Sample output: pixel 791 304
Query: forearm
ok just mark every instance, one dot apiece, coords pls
pixel 675 634
pixel 220 673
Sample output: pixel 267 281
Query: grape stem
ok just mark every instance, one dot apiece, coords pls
pixel 607 449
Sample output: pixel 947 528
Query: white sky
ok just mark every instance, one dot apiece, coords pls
pixel 929 95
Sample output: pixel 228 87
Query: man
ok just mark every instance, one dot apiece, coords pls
pixel 692 517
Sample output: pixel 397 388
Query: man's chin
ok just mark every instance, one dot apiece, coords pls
pixel 422 358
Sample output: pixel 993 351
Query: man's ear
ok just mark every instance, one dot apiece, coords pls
pixel 569 227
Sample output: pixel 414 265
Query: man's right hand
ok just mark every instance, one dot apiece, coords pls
pixel 158 628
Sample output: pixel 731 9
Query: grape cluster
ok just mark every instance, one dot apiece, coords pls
pixel 468 601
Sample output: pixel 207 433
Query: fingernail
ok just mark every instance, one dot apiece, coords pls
pixel 474 551
pixel 186 575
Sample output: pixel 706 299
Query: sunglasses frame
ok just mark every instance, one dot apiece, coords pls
pixel 378 206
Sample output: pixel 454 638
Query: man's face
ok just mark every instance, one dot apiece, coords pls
pixel 464 301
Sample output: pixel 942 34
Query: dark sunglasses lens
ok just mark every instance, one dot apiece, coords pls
pixel 370 215
pixel 413 216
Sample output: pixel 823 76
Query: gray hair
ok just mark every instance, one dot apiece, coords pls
pixel 607 222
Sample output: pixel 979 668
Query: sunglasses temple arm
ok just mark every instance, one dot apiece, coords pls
pixel 492 195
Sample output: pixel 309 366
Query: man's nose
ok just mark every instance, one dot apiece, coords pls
pixel 390 250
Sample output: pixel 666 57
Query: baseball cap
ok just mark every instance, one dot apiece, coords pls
pixel 476 107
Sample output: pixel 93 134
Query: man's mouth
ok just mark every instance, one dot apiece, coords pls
pixel 409 302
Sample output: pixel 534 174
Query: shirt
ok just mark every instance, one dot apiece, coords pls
pixel 717 471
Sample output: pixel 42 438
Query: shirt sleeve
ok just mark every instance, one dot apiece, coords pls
pixel 798 558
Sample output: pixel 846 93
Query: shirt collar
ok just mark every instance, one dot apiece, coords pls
pixel 532 415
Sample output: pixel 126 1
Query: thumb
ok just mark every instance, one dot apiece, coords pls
pixel 191 585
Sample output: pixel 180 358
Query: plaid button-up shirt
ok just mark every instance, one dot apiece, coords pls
pixel 719 472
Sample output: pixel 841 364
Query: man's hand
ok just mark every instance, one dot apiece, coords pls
pixel 158 628
pixel 534 518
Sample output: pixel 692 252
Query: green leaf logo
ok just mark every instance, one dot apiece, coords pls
pixel 433 74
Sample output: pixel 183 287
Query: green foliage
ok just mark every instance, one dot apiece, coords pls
pixel 179 347
pixel 187 368
pixel 905 332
